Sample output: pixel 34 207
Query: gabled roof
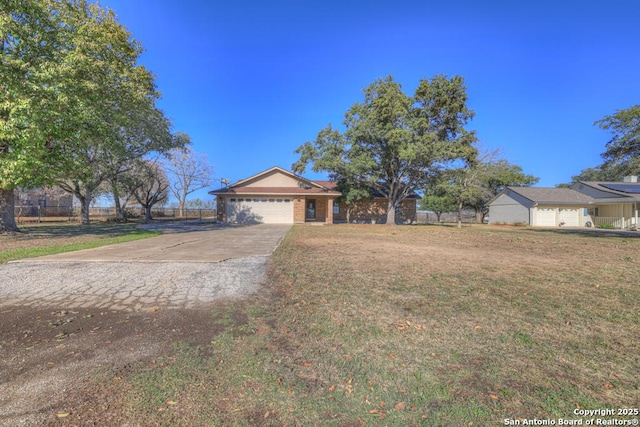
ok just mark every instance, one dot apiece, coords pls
pixel 551 195
pixel 577 194
pixel 305 186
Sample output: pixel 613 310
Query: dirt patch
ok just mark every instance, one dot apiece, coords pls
pixel 56 361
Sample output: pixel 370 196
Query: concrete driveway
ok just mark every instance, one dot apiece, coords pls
pixel 187 266
pixel 184 243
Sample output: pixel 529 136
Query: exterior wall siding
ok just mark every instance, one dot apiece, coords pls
pixel 506 209
pixel 409 210
pixel 374 211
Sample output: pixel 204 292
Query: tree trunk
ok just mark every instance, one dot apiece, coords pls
pixel 147 213
pixel 116 200
pixel 391 213
pixel 7 218
pixel 181 208
pixel 460 215
pixel 85 203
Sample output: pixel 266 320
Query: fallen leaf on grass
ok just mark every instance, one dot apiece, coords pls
pixel 171 402
pixel 379 412
pixel 62 414
pixel 608 385
pixel 400 406
pixel 154 309
pixel 493 396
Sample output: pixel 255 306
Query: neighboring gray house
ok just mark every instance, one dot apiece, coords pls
pixel 584 204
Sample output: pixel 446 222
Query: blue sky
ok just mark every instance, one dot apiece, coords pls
pixel 250 81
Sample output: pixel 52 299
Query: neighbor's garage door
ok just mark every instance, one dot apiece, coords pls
pixel 546 217
pixel 260 210
pixel 568 217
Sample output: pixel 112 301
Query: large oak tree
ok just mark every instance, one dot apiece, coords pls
pixel 392 140
pixel 77 104
pixel 622 152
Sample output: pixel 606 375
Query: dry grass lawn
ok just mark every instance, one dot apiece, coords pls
pixel 417 325
pixel 410 325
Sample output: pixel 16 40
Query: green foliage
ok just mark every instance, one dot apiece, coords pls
pixel 438 203
pixel 392 140
pixel 624 147
pixel 622 152
pixel 604 172
pixel 78 107
pixel 476 182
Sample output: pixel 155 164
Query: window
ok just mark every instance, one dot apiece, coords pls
pixel 232 200
pixel 272 200
pixel 279 200
pixel 287 200
pixel 336 208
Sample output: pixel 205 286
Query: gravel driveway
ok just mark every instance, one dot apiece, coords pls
pixel 187 266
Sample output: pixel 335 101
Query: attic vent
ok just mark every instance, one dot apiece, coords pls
pixel 304 185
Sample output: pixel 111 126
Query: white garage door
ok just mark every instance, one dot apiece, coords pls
pixel 260 210
pixel 546 217
pixel 568 217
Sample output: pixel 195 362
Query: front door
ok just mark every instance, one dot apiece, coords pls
pixel 311 210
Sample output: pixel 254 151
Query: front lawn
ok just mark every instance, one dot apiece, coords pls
pixel 412 325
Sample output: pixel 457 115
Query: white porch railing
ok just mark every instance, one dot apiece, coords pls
pixel 614 222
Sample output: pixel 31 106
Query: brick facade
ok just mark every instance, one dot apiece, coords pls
pixel 375 211
pixel 298 209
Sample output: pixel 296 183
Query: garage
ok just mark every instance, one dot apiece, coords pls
pixel 277 210
pixel 568 217
pixel 545 217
